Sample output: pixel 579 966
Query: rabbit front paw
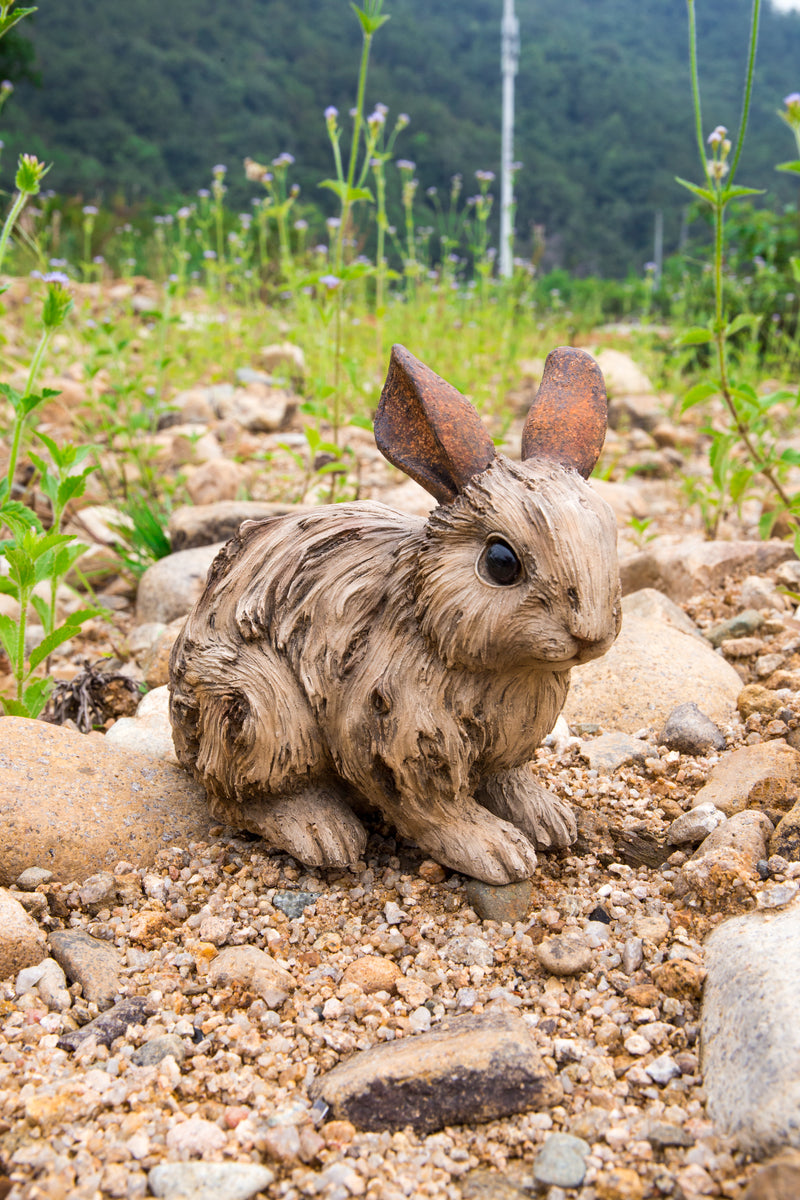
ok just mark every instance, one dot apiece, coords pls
pixel 517 797
pixel 317 827
pixel 476 843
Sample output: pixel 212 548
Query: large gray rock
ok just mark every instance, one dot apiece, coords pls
pixel 750 1030
pixel 171 587
pixel 75 805
pixel 467 1069
pixel 207 524
pixel 686 568
pixel 651 668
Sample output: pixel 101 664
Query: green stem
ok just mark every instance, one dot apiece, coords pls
pixel 748 86
pixel 10 222
pixel 351 167
pixel 698 117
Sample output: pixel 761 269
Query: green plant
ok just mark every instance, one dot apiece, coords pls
pixel 747 447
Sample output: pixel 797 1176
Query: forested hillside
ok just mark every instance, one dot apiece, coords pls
pixel 139 100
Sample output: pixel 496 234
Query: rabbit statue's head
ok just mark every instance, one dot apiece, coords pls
pixel 518 565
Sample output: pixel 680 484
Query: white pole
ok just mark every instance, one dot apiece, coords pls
pixel 509 60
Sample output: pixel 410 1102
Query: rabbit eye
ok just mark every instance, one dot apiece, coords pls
pixel 499 564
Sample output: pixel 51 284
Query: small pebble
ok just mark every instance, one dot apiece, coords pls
pixel 32 877
pixel 690 731
pixel 208 1180
pixel 494 903
pixel 158 1048
pixel 294 903
pixel 561 1161
pixel 564 955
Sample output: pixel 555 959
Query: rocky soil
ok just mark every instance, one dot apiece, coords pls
pixel 185 1013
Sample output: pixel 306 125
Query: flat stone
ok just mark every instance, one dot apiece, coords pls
pixel 22 943
pixel 489 1185
pixel 691 566
pixel 283 356
pixel 195 1138
pixel 157 1049
pixel 750 1031
pixel 499 903
pixel 742 625
pixel 372 973
pixel 294 904
pixel 468 1069
pixel 747 832
pixel 694 825
pixel 258 407
pixel 149 732
pixel 98 891
pixel 171 587
pixel 650 603
pixel 760 776
pixel 757 592
pixel 470 951
pixel 688 730
pixel 744 647
pixel 75 804
pixel 606 753
pixel 249 967
pixel 32 877
pixel 109 1025
pixel 777 1180
pixel 561 1162
pixel 207 524
pixel 566 954
pixel 95 965
pixel 786 838
pixel 651 668
pixel 661 1134
pixel 208 1180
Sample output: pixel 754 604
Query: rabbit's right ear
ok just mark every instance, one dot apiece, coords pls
pixel 428 429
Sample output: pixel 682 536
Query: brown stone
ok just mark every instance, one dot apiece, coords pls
pixel 95 965
pixel 679 978
pixel 643 994
pixel 22 943
pixel 758 699
pixel 786 838
pixel 619 1183
pixel 762 776
pixel 776 1180
pixel 74 805
pixel 205 524
pixel 468 1069
pixel 746 832
pixel 372 973
pixel 500 903
pixel 686 568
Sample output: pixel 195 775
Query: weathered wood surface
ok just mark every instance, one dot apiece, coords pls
pixel 353 653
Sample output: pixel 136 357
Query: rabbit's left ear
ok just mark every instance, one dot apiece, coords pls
pixel 567 420
pixel 428 429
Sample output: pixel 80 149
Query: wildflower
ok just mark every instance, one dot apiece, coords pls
pixel 209 254
pixel 716 136
pixel 294 190
pixel 219 170
pixel 203 193
pixel 333 223
pixel 331 113
pixel 485 176
pixel 29 174
pixel 717 169
pixel 403 120
pixel 98 260
pixel 246 220
pixel 57 302
pixel 516 166
pixel 376 121
pixel 301 225
pixel 405 164
pixel 283 160
pixel 6 88
pixel 320 249
pixel 184 213
pixel 89 210
pixel 649 267
pixel 791 101
pixel 331 282
pixel 430 192
pixel 792 114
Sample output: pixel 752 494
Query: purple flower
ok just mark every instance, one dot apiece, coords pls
pixel 219 170
pixel 56 277
pixel 484 176
pixel 790 101
pixel 717 135
pixel 300 225
pixel 210 254
pixel 89 210
pixel 331 113
pixel 331 282
pixel 283 160
pixel 405 164
pixel 203 193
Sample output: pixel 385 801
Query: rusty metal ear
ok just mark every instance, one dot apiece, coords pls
pixel 428 429
pixel 567 420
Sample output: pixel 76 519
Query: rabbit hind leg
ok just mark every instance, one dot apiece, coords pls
pixel 516 797
pixel 316 826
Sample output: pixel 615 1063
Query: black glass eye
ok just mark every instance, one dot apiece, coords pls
pixel 501 564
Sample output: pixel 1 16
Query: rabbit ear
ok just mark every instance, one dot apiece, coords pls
pixel 428 429
pixel 567 420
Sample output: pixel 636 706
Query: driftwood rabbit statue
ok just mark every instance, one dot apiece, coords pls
pixel 352 655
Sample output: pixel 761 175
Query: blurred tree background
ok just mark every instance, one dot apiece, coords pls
pixel 134 103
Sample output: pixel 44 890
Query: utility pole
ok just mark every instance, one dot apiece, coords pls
pixel 509 60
